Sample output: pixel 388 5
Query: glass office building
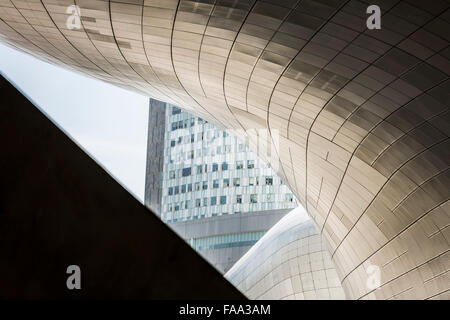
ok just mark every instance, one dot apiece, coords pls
pixel 207 185
pixel 208 172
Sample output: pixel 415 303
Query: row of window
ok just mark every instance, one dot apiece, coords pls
pixel 201 152
pixel 215 200
pixel 201 212
pixel 191 154
pixel 215 167
pixel 183 124
pixel 226 241
pixel 195 217
pixel 200 137
pixel 252 181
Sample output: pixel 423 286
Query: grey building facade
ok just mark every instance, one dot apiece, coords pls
pixel 155 155
pixel 223 240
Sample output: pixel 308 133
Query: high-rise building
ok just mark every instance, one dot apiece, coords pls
pixel 208 172
pixel 196 171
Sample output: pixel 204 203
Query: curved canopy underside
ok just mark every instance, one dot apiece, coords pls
pixel 359 118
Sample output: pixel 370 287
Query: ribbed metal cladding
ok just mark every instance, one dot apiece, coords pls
pixel 362 115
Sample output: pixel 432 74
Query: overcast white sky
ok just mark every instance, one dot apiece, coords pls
pixel 109 122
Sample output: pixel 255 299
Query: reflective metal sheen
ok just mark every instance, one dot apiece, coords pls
pixel 363 115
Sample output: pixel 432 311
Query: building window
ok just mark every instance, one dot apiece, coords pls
pixel 270 197
pixel 191 154
pixel 205 185
pixel 216 184
pixel 183 188
pixel 269 181
pixel 239 198
pixel 252 181
pixel 175 110
pixel 226 182
pixel 241 147
pixel 176 190
pixel 186 204
pixel 215 167
pixel 192 137
pixel 189 189
pixel 224 166
pixel 250 164
pixel 186 172
pixel 205 202
pixel 170 191
pixel 206 166
pixel 197 186
pixel 253 198
pixel 172 174
pixel 223 199
pixel 197 203
pixel 239 165
pixel 213 201
pixel 172 143
pixel 289 197
pixel 199 169
pixel 237 182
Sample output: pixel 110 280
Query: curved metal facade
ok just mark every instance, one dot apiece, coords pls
pixel 289 262
pixel 363 115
